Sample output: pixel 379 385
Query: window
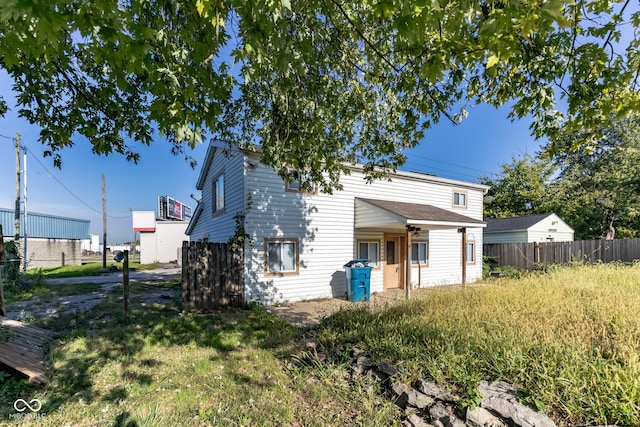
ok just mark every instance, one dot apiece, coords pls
pixel 460 199
pixel 282 256
pixel 419 252
pixel 218 195
pixel 369 250
pixel 293 182
pixel 471 252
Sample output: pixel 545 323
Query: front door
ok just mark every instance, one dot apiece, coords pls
pixel 394 258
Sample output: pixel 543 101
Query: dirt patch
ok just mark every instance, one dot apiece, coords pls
pixel 69 304
pixel 309 313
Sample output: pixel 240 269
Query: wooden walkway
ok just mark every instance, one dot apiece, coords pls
pixel 22 348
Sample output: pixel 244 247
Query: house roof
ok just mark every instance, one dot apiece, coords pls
pixel 518 223
pixel 194 219
pixel 386 213
pixel 219 146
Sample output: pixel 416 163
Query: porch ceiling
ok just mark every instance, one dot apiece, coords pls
pixel 371 213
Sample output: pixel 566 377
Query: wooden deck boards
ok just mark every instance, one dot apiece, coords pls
pixel 22 348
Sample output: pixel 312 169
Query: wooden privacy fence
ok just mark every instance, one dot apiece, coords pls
pixel 528 256
pixel 212 276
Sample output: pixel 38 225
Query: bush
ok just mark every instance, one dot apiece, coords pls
pixel 14 281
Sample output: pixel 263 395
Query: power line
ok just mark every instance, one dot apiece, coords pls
pixel 66 188
pixel 448 163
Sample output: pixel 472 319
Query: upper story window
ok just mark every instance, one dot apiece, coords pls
pixel 218 195
pixel 459 199
pixel 292 183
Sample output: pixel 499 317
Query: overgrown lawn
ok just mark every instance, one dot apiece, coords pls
pixel 569 338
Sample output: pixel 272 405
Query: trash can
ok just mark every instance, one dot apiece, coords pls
pixel 358 275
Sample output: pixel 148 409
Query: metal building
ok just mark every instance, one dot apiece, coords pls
pixel 52 241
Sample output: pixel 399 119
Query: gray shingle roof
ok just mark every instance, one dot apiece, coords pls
pixel 420 212
pixel 517 223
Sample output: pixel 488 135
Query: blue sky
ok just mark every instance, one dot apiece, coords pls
pixel 477 147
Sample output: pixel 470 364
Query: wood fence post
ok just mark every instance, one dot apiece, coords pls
pixel 125 283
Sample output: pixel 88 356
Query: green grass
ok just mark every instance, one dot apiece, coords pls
pixel 89 269
pixel 159 368
pixel 569 338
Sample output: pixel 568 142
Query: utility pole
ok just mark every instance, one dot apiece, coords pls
pixel 104 223
pixel 16 222
pixel 26 222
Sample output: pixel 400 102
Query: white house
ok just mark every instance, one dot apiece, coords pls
pixel 547 227
pixel 300 241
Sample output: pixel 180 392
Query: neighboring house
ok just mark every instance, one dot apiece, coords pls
pixel 52 241
pixel 300 241
pixel 160 240
pixel 540 228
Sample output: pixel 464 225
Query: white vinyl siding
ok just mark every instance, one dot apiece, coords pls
pixel 218 228
pixel 325 226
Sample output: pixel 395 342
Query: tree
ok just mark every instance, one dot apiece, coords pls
pixel 600 188
pixel 596 191
pixel 524 187
pixel 313 84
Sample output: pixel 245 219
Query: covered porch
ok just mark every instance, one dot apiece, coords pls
pixel 405 239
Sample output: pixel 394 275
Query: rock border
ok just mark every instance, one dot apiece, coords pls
pixel 427 404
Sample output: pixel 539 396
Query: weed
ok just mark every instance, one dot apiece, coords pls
pixel 12 387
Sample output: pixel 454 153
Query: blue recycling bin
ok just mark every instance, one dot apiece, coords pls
pixel 358 275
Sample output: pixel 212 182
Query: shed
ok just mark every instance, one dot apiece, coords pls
pixel 547 227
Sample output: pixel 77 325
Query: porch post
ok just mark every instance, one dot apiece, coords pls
pixel 407 284
pixel 463 230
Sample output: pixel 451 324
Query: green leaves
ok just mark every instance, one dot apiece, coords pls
pixel 596 191
pixel 315 83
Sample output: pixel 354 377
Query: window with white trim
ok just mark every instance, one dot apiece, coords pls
pixel 419 253
pixel 460 199
pixel 218 194
pixel 368 250
pixel 471 252
pixel 282 256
